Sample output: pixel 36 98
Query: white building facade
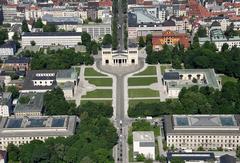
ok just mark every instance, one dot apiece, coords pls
pixel 144 143
pixel 207 131
pixel 68 39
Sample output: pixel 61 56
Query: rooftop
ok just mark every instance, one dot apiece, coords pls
pixel 35 103
pixel 191 156
pixel 143 136
pixel 33 34
pixel 68 73
pixel 37 126
pixel 195 124
pixel 22 60
pixel 211 79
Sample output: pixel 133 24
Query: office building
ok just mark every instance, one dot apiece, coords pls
pixel 67 39
pixel 206 131
pixel 22 130
pixel 7 49
pixel 175 80
pixel 144 143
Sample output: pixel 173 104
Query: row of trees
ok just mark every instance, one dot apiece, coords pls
pixel 60 59
pixel 39 24
pixel 195 100
pixel 93 142
pixel 114 24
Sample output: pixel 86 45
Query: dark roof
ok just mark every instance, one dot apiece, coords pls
pixel 168 23
pixel 215 24
pixel 227 159
pixel 3 154
pixel 132 45
pixel 171 76
pixel 9 44
pixel 17 60
pixel 51 34
pixel 107 46
pixel 31 75
pixel 191 156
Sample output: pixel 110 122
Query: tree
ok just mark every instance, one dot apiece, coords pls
pixel 225 47
pixel 230 31
pixel 13 153
pixel 14 91
pixel 25 26
pixel 55 103
pixel 107 40
pixel 149 39
pixel 177 160
pixel 140 157
pixel 141 42
pixel 50 28
pixel 202 32
pixel 94 46
pixel 149 48
pixel 16 36
pixel 3 36
pixel 33 43
pixel 38 23
pixel 200 148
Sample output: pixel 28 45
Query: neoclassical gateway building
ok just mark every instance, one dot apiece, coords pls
pixel 120 58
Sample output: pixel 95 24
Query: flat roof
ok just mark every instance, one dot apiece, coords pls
pixel 143 136
pixel 35 103
pixel 33 34
pixel 194 124
pixel 37 126
pixel 210 76
pixel 191 156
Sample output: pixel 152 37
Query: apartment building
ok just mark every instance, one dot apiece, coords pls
pixel 21 130
pixel 207 131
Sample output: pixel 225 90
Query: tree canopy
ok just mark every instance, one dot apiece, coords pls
pixel 60 59
pixel 195 100
pixel 93 142
pixel 3 36
pixel 25 26
pixel 107 40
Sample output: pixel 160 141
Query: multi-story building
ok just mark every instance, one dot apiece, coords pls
pixel 29 104
pixel 7 49
pixel 5 104
pixel 218 38
pixel 144 143
pixel 45 80
pixel 96 31
pixel 175 80
pixel 68 39
pixel 22 130
pixel 16 64
pixel 116 58
pixel 207 131
pixel 3 156
pixel 65 23
pixel 9 13
pixel 169 38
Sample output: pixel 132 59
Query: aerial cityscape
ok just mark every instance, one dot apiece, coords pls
pixel 119 81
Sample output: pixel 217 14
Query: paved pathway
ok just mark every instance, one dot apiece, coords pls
pixel 162 91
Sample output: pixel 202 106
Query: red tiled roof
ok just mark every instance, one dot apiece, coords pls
pixel 105 3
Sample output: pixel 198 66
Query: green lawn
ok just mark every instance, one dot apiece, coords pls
pixel 91 72
pixel 106 102
pixel 142 93
pixel 150 70
pixel 132 103
pixel 141 81
pixel 164 67
pixel 228 79
pixel 99 93
pixel 100 81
